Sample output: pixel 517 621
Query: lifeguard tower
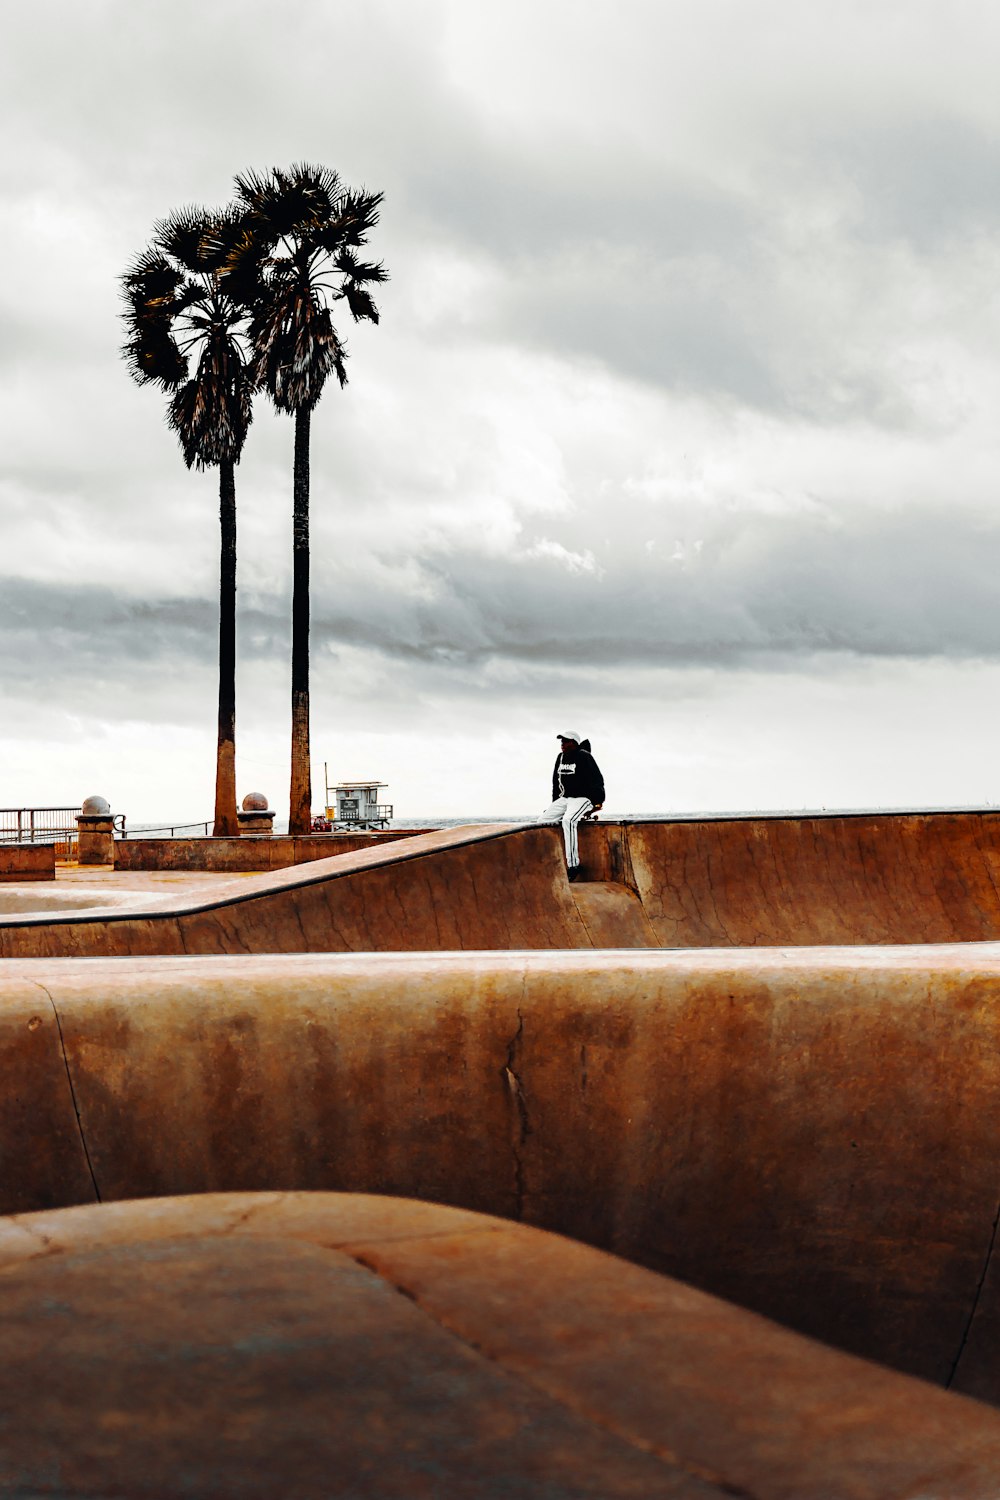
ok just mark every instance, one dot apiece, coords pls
pixel 355 804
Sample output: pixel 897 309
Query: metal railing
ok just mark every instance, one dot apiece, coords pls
pixel 37 825
pixel 169 829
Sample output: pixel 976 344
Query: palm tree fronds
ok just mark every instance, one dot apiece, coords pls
pixel 279 203
pixel 185 417
pixel 323 181
pixel 360 303
pixel 360 271
pixel 329 347
pixel 152 356
pixel 192 294
pixel 181 236
pixel 223 231
pixel 242 257
pixel 150 278
pixel 211 414
pixel 317 224
pixel 170 315
pixel 361 209
pixel 297 347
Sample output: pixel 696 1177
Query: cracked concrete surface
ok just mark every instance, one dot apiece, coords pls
pixel 391 1348
pixel 72 1091
pixel 618 1104
pixel 520 1126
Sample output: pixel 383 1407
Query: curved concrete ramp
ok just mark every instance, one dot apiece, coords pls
pixel 721 882
pixel 458 888
pixel 316 1345
pixel 612 915
pixel 812 1134
pixel 839 878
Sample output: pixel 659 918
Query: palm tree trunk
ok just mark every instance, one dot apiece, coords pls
pixel 300 800
pixel 226 821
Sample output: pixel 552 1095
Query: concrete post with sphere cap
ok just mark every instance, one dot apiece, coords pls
pixel 95 832
pixel 256 817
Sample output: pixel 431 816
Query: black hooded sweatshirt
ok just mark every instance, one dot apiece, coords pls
pixel 577 774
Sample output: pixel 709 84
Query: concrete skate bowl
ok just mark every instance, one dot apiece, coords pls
pixel 723 882
pixel 57 901
pixel 811 1135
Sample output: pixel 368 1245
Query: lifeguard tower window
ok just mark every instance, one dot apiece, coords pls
pixel 356 803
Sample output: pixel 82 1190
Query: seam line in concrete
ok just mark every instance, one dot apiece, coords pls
pixel 975 1302
pixel 48 1248
pixel 580 1409
pixel 583 920
pixel 72 1090
pixel 513 1081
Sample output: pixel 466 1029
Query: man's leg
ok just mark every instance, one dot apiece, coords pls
pixel 554 812
pixel 576 809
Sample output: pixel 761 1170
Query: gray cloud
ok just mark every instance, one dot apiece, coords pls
pixel 92 633
pixel 687 366
pixel 760 591
pixel 765 591
pixel 712 289
pixel 669 270
pixel 933 180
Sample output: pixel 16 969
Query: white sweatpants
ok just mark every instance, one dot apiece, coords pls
pixel 568 811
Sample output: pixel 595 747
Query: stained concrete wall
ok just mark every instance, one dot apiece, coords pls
pixel 248 852
pixel 851 878
pixel 27 862
pixel 812 1135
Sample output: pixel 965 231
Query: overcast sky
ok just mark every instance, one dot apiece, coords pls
pixel 681 425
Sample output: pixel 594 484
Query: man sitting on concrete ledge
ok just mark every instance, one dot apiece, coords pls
pixel 577 789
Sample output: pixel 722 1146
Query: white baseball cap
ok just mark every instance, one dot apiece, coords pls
pixel 569 734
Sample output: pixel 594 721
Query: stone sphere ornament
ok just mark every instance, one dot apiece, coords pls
pixel 96 807
pixel 255 802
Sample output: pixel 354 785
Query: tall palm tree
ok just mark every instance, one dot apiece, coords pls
pixel 293 257
pixel 178 311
